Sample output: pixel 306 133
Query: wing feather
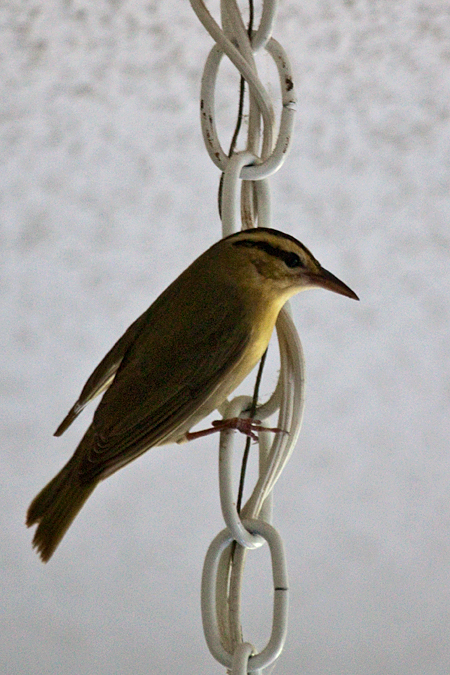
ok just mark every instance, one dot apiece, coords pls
pixel 103 374
pixel 164 380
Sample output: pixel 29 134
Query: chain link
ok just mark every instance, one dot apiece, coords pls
pixel 280 604
pixel 266 165
pixel 246 203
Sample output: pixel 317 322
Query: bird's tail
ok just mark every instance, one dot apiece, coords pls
pixel 56 506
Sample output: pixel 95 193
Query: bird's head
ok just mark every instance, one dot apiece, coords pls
pixel 284 262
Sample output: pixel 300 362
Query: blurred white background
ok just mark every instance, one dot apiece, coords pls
pixel 107 195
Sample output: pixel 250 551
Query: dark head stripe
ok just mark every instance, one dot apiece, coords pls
pixel 264 245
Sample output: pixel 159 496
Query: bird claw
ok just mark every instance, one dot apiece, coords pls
pixel 246 426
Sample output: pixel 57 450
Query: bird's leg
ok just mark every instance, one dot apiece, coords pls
pixel 245 425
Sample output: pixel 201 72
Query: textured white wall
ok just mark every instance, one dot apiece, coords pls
pixel 107 194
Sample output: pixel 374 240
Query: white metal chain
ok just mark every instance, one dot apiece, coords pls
pixel 245 203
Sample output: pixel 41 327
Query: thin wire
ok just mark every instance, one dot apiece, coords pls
pixel 240 115
pixel 237 129
pixel 231 151
pixel 249 440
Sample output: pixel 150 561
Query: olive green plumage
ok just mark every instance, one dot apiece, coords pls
pixel 177 362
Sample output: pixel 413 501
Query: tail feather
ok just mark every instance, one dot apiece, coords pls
pixel 56 506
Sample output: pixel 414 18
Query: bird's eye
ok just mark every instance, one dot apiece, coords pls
pixel 292 260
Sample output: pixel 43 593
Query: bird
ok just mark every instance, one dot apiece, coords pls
pixel 177 363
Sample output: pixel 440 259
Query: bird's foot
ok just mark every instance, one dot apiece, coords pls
pixel 246 426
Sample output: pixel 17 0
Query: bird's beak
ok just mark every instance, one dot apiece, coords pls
pixel 324 279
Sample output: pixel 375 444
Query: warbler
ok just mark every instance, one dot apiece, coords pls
pixel 178 362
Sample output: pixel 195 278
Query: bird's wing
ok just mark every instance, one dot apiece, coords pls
pixel 156 392
pixel 170 372
pixel 103 375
